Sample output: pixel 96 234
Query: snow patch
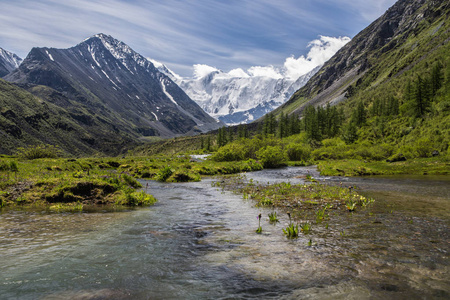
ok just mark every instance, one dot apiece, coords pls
pixel 93 55
pixel 156 117
pixel 49 55
pixel 165 92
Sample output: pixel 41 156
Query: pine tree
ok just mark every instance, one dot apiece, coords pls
pixel 272 124
pixel 359 115
pixel 311 124
pixel 421 97
pixel 436 77
pixel 208 143
pixel 266 125
pixel 230 135
pixel 350 134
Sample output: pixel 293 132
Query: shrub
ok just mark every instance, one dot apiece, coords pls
pixel 334 142
pixel 4 166
pixel 131 181
pixel 297 152
pixel 40 151
pixel 164 173
pixel 271 157
pixel 137 199
pixel 424 147
pixel 184 175
pixel 230 152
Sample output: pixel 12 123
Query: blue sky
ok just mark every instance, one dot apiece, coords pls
pixel 225 34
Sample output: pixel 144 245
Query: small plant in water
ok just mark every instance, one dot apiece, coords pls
pixel 291 231
pixel 310 243
pixel 305 227
pixel 321 215
pixel 350 205
pixel 259 230
pixel 273 217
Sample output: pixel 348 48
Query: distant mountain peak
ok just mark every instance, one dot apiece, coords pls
pixel 118 49
pixel 8 62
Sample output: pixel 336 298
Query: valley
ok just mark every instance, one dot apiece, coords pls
pixel 120 179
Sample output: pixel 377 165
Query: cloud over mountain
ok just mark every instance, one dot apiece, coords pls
pixel 321 50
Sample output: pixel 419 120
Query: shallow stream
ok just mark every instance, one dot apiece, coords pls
pixel 199 242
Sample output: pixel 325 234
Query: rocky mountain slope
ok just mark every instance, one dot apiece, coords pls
pixel 8 62
pixel 406 34
pixel 116 84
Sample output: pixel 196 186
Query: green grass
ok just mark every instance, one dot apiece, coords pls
pixel 354 167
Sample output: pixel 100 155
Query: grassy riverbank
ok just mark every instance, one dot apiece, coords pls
pixel 72 183
pixel 353 167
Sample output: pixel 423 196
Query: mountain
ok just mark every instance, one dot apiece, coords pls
pixel 116 84
pixel 381 54
pixel 26 119
pixel 8 62
pixel 240 98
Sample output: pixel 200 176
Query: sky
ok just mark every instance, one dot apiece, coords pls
pixel 190 36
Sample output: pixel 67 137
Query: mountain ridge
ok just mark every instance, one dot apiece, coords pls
pixel 109 77
pixel 355 62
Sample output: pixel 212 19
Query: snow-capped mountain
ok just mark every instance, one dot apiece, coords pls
pixel 109 78
pixel 8 62
pixel 238 97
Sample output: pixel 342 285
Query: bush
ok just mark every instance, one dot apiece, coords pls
pixel 164 174
pixel 40 151
pixel 137 199
pixel 230 152
pixel 297 152
pixel 4 166
pixel 424 147
pixel 334 142
pixel 271 157
pixel 131 181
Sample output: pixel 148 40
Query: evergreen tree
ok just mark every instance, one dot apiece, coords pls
pixel 359 115
pixel 420 101
pixel 436 77
pixel 230 135
pixel 266 125
pixel 311 124
pixel 350 134
pixel 208 143
pixel 273 124
pixel 221 137
pixel 281 128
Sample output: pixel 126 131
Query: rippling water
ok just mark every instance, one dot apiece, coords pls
pixel 199 242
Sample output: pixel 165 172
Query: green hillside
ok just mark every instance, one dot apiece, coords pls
pixel 396 93
pixel 26 119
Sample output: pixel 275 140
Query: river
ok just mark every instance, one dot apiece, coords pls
pixel 199 242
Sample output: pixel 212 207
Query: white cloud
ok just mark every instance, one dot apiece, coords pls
pixel 268 71
pixel 238 73
pixel 321 50
pixel 201 71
